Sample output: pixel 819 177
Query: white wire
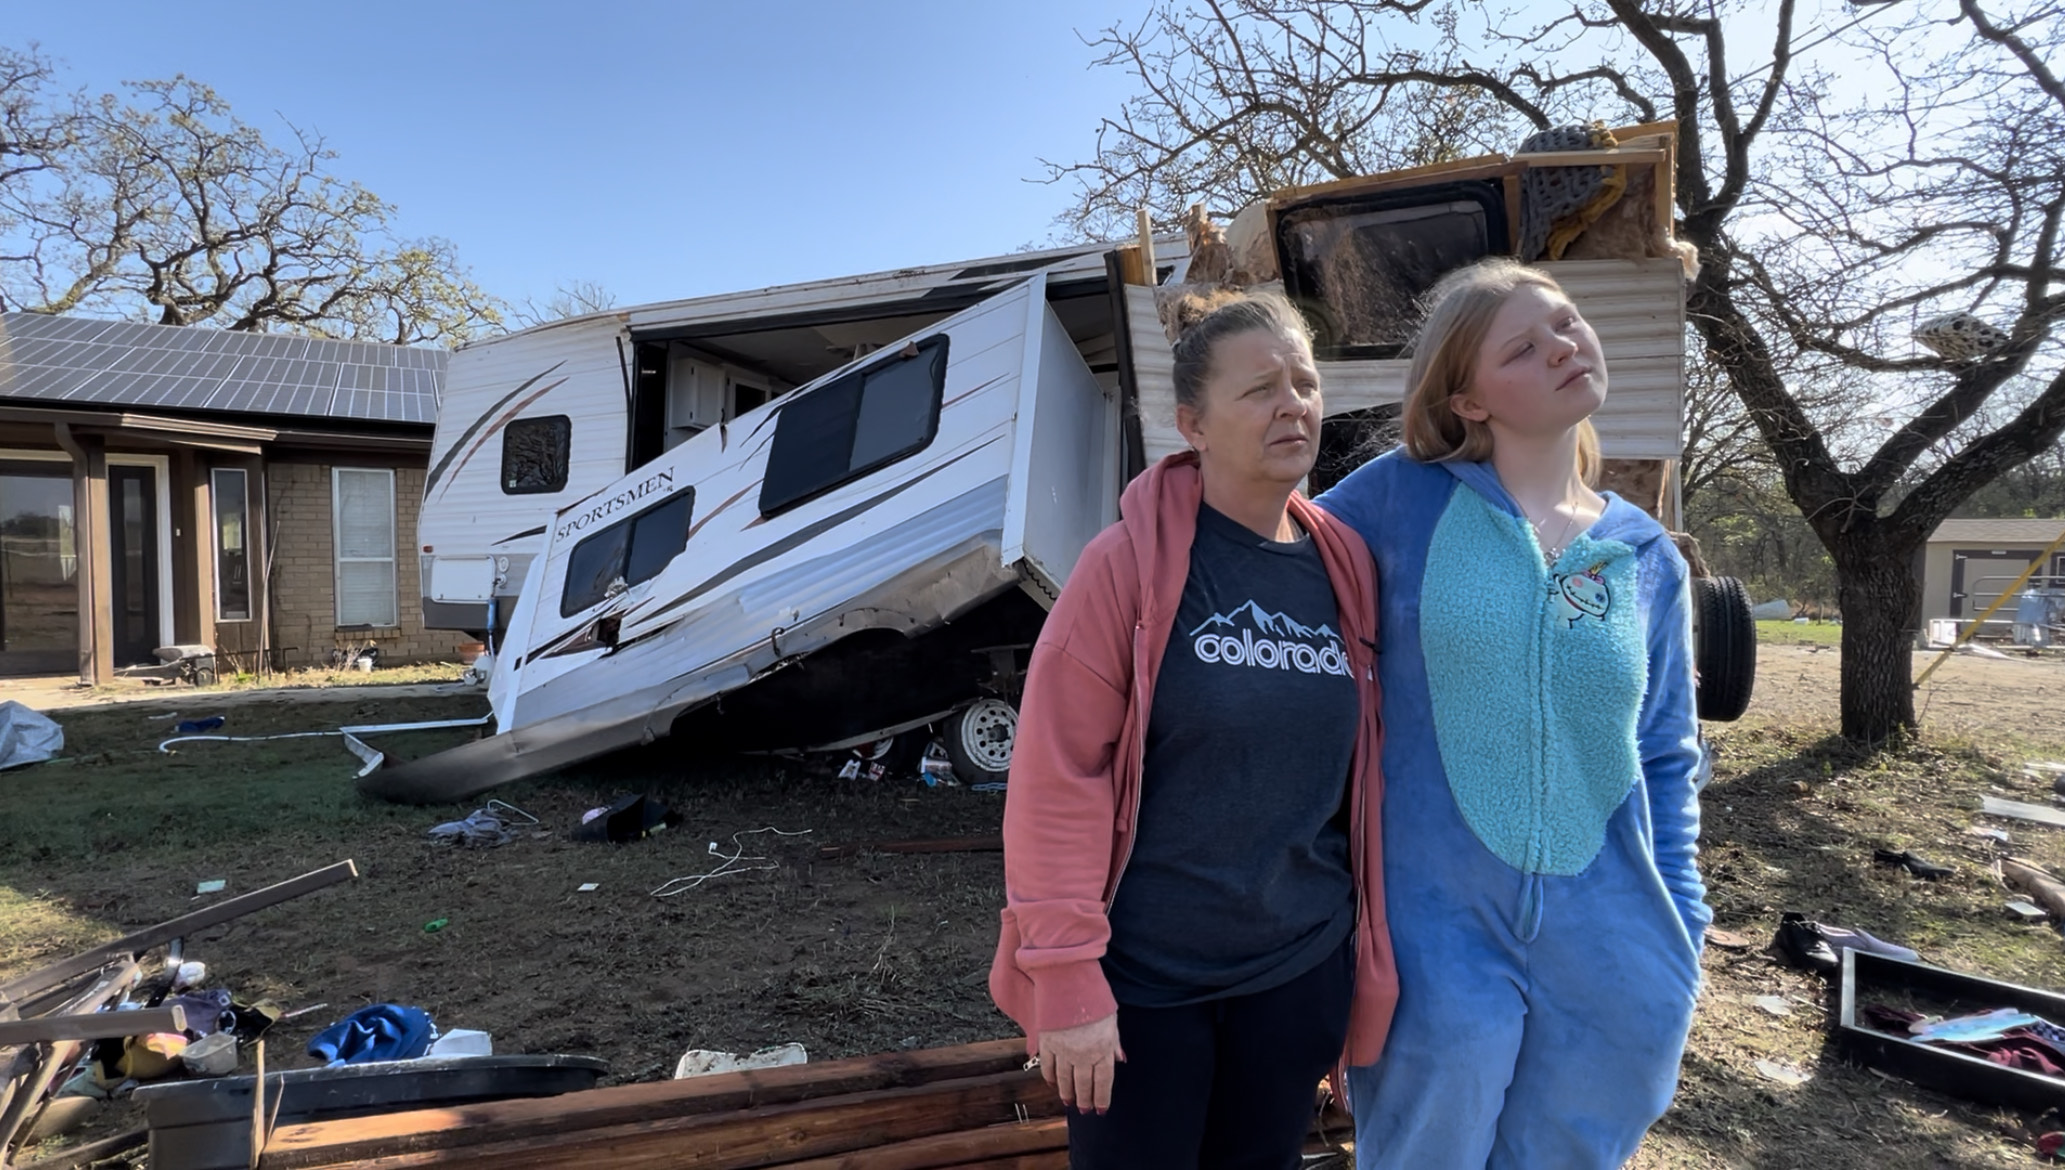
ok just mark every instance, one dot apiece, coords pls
pixel 730 864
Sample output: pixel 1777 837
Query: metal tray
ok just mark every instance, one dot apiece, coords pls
pixel 1958 1074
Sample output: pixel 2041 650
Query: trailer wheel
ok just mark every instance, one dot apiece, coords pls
pixel 979 740
pixel 1726 649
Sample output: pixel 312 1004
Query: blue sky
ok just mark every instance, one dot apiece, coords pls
pixel 663 150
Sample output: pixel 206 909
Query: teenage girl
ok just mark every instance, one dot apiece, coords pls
pixel 1539 812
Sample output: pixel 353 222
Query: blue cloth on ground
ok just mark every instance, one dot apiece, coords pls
pixel 385 1031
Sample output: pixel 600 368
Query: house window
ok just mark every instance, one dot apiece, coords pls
pixel 535 452
pixel 847 428
pixel 362 516
pixel 232 502
pixel 632 550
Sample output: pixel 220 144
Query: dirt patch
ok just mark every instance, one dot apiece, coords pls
pixel 886 951
pixel 1967 696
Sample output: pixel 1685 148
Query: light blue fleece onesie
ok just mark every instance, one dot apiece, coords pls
pixel 1539 819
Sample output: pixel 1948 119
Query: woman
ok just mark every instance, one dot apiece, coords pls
pixel 1194 933
pixel 1540 813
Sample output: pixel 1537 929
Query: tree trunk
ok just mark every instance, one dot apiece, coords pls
pixel 1881 600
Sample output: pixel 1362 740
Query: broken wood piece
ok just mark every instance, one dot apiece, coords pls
pixel 991 844
pixel 24 986
pixel 765 1136
pixel 951 1149
pixel 2048 891
pixel 79 1157
pixel 337 1142
pixel 97 1026
pixel 1994 806
pixel 25 1093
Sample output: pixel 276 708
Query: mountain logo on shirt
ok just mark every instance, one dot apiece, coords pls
pixel 1249 635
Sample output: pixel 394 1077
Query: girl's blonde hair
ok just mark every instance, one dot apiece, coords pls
pixel 1444 359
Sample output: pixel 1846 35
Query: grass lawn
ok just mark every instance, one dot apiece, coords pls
pixel 1787 633
pixel 883 951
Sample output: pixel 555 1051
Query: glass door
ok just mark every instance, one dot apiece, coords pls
pixel 39 569
pixel 133 525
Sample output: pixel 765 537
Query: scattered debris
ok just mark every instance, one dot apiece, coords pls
pixel 1774 1005
pixel 730 864
pixel 27 736
pixel 1913 863
pixel 2027 911
pixel 1994 806
pixel 211 886
pixel 629 818
pixel 197 726
pixel 435 925
pixel 485 827
pixel 701 1062
pixel 1997 836
pixel 1727 940
pixel 2047 891
pixel 587 887
pixel 1783 1074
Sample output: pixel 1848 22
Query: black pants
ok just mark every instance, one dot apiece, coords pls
pixel 1224 1085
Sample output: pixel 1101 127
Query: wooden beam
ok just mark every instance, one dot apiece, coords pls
pixel 951 1149
pixel 97 1026
pixel 743 1140
pixel 327 1142
pixel 1047 1160
pixel 24 986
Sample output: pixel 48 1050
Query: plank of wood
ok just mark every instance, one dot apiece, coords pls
pixel 86 1155
pixel 324 1142
pixel 1045 1160
pixel 990 844
pixel 2041 814
pixel 951 1149
pixel 98 1026
pixel 22 986
pixel 2048 891
pixel 743 1140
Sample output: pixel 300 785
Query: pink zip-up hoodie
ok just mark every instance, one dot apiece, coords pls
pixel 1069 815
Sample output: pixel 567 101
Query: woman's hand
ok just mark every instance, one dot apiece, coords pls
pixel 1081 1061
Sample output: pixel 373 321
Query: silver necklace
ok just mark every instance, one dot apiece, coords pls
pixel 1551 551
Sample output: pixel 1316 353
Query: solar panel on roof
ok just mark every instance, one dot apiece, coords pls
pixel 85 359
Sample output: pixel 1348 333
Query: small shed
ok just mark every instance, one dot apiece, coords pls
pixel 1969 563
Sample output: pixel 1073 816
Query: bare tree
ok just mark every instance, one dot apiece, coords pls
pixel 573 298
pixel 166 202
pixel 1831 219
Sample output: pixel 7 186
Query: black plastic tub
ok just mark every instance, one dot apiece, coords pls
pixel 206 1125
pixel 1945 1070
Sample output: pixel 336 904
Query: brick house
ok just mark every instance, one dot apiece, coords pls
pixel 253 493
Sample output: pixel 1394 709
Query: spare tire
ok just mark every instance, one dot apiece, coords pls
pixel 1726 650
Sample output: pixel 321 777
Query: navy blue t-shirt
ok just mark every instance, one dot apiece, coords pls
pixel 1239 878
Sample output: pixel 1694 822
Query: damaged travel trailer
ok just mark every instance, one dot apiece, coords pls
pixel 874 550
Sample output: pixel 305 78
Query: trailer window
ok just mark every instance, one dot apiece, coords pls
pixel 865 420
pixel 626 553
pixel 535 453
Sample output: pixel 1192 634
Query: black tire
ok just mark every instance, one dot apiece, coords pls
pixel 1727 647
pixel 979 741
